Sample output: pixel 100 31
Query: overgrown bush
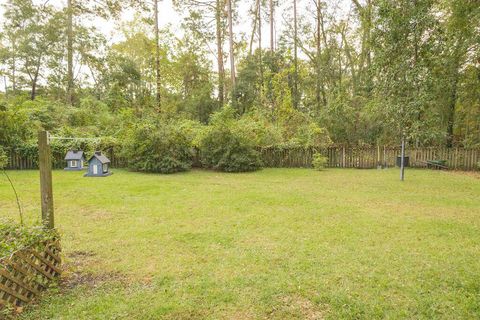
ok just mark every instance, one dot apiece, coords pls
pixel 227 145
pixel 319 161
pixel 161 147
pixel 14 236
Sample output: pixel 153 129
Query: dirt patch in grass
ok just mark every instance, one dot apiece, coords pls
pixel 81 254
pixel 76 260
pixel 298 307
pixel 73 275
pixel 75 279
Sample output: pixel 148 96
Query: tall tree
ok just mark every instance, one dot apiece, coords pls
pixel 260 55
pixel 76 9
pixel 34 33
pixel 219 40
pixel 365 16
pixel 157 57
pixel 460 38
pixel 402 59
pixel 320 96
pixel 231 43
pixel 272 26
pixel 70 88
pixel 204 14
pixel 295 55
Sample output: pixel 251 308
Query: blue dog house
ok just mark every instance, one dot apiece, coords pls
pixel 74 160
pixel 98 166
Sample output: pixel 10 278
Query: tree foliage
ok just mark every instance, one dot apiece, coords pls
pixel 227 145
pixel 159 147
pixel 384 70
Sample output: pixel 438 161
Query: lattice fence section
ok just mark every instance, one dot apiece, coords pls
pixel 27 272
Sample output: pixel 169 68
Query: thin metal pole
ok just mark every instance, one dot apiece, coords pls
pixel 402 161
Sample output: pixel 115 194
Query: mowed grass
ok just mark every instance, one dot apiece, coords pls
pixel 274 244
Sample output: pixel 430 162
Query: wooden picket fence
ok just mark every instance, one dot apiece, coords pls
pixel 19 162
pixel 369 157
pixel 27 272
pixel 299 157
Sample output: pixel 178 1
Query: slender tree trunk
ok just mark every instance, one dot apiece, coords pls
pixel 295 55
pixel 254 29
pixel 157 57
pixel 14 75
pixel 221 69
pixel 340 68
pixel 230 37
pixel 451 111
pixel 34 79
pixel 33 93
pixel 260 47
pixel 14 65
pixel 369 34
pixel 318 57
pixel 272 27
pixel 351 62
pixel 70 52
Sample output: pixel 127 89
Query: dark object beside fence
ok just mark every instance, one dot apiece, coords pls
pixel 27 272
pixel 406 161
pixel 437 164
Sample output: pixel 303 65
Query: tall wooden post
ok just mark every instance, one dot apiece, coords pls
pixel 46 192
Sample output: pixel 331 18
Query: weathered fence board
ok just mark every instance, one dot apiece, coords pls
pixel 370 157
pixel 299 157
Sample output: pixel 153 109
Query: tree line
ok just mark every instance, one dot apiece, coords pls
pixel 367 72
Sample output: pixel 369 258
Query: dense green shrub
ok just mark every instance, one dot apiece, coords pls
pixel 227 145
pixel 319 161
pixel 162 148
pixel 14 236
pixel 260 129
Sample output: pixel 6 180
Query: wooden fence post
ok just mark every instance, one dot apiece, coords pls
pixel 46 192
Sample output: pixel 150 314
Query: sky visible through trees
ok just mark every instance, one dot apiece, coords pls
pixel 363 72
pixel 172 19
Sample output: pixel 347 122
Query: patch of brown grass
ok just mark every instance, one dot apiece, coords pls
pixel 298 307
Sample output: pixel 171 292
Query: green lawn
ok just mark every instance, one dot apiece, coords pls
pixel 275 244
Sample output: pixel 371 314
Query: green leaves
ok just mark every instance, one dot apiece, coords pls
pixel 14 237
pixel 227 145
pixel 3 158
pixel 159 147
pixel 319 161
